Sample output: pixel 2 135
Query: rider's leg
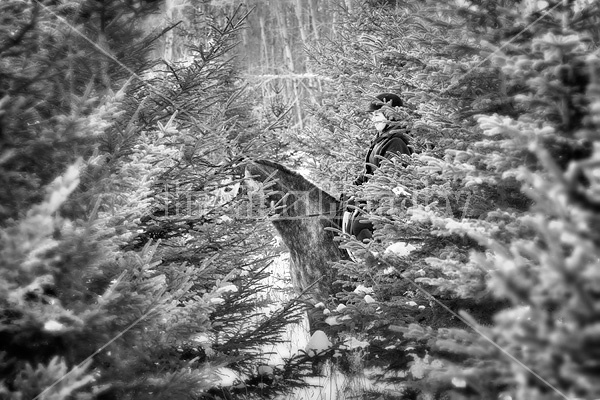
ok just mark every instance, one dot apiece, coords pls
pixel 361 230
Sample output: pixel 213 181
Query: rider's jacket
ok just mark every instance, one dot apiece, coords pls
pixel 389 142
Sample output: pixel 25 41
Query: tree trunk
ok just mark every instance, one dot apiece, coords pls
pixel 264 49
pixel 293 90
pixel 314 17
pixel 300 15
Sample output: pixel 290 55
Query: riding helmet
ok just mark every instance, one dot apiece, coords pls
pixel 385 98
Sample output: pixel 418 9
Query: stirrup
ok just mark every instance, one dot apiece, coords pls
pixel 347 222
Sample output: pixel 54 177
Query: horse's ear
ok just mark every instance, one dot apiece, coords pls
pixel 250 182
pixel 238 170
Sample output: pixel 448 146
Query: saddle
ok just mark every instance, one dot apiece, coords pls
pixel 353 222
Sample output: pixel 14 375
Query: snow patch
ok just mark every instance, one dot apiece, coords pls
pixel 389 270
pixel 227 376
pixel 336 320
pixel 201 338
pixel 361 289
pixel 369 300
pixel 53 326
pixel 400 191
pixel 318 343
pixel 459 382
pixel 231 288
pixel 224 218
pixel 265 370
pixel 400 249
pixel 354 343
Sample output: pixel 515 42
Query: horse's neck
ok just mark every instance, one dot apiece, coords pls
pixel 305 212
pixel 315 200
pixel 297 197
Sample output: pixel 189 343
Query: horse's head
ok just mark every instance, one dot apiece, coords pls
pixel 264 189
pixel 287 193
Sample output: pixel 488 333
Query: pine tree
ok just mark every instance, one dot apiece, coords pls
pixel 122 273
pixel 404 48
pixel 461 204
pixel 546 267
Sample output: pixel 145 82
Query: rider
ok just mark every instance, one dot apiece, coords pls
pixel 392 125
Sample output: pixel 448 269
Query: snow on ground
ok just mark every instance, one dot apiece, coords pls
pixel 297 334
pixel 400 249
pixel 333 385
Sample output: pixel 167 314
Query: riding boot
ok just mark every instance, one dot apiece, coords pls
pixel 361 230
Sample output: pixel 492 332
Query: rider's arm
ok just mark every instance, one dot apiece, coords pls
pixel 362 178
pixel 396 146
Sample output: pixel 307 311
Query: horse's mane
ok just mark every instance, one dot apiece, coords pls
pixel 295 174
pixel 275 165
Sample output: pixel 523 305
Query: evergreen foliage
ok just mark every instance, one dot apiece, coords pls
pixel 495 211
pixel 131 266
pixel 126 272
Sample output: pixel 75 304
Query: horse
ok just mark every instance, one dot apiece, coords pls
pixel 306 218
